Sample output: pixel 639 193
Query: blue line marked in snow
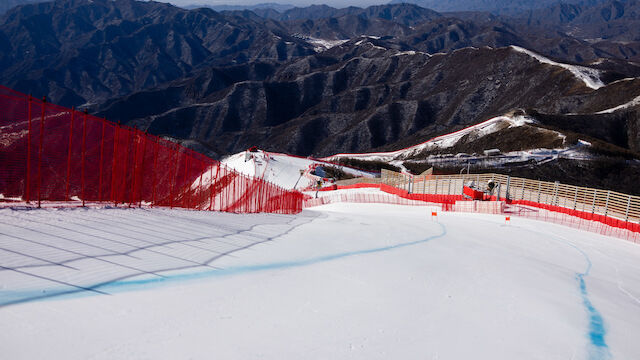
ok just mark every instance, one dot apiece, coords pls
pixel 598 348
pixel 11 297
pixel 262 267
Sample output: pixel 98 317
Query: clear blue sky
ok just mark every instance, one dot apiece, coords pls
pixel 334 3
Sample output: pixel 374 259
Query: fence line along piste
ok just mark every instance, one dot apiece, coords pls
pixel 54 154
pixel 595 210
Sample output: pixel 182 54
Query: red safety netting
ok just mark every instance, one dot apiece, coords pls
pixel 49 153
pixel 389 195
pixel 601 224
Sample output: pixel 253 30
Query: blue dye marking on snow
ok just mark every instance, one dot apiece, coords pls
pixel 262 267
pixel 14 297
pixel 597 330
pixel 598 348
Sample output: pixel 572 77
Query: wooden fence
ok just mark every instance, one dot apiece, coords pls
pixel 358 180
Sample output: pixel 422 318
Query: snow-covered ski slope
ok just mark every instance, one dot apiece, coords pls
pixel 340 281
pixel 286 171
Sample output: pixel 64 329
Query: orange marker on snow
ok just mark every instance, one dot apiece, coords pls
pixel 434 214
pixel 507 219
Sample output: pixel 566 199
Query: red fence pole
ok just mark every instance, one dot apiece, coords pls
pixel 173 176
pixel 84 150
pixel 28 178
pixel 73 115
pixel 143 140
pixel 44 103
pixel 186 199
pixel 227 175
pixel 123 187
pixel 153 172
pixel 104 124
pixel 134 178
pixel 113 164
pixel 211 187
pixel 202 167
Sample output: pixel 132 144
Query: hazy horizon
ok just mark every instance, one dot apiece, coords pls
pixel 299 3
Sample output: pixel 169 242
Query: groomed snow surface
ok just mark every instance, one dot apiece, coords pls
pixel 286 171
pixel 340 281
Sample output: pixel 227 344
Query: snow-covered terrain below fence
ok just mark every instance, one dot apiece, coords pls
pixel 338 281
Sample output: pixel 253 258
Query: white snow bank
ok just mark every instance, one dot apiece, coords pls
pixel 590 77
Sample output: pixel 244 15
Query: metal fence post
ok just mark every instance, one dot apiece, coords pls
pixel 506 193
pixel 593 209
pixel 555 194
pixel 575 199
pixel 539 191
pixel 626 214
pixel 522 191
pixel 606 204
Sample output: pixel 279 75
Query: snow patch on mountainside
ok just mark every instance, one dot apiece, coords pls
pixel 443 141
pixel 590 77
pixel 631 103
pixel 323 44
pixel 410 52
pixel 540 156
